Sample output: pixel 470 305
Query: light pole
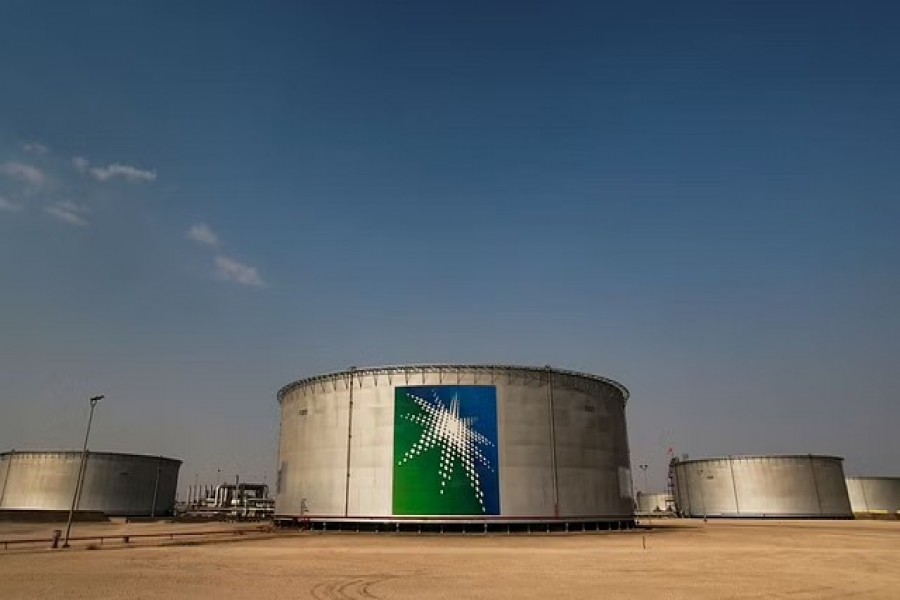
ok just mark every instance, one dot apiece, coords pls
pixel 78 480
pixel 646 486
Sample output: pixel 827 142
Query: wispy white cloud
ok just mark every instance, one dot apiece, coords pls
pixel 80 163
pixel 35 148
pixel 22 172
pixel 68 212
pixel 120 171
pixel 231 270
pixel 9 206
pixel 203 234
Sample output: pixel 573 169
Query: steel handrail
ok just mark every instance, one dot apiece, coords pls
pixel 126 537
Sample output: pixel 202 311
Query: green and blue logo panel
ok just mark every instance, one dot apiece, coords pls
pixel 445 451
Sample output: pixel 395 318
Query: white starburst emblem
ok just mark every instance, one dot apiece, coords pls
pixel 459 441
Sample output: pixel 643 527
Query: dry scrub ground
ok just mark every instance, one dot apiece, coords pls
pixel 682 559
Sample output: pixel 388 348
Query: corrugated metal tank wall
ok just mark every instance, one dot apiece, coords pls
pixel 115 484
pixel 762 486
pixel 571 462
pixel 874 495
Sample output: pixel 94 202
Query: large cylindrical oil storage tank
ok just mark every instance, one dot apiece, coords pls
pixel 113 483
pixel 648 504
pixel 874 496
pixel 452 447
pixel 777 486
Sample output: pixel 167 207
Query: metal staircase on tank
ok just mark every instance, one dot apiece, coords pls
pixel 670 482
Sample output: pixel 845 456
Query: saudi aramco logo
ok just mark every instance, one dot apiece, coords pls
pixel 445 451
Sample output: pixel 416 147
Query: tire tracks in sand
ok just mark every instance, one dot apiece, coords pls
pixel 349 588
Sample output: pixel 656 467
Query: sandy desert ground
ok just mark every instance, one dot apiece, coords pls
pixel 682 559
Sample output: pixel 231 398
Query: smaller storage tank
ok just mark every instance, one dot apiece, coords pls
pixel 784 486
pixel 648 504
pixel 113 483
pixel 874 496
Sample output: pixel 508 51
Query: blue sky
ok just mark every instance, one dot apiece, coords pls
pixel 201 202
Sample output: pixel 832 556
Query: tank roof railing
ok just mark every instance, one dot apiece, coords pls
pixel 450 367
pixel 95 453
pixel 677 461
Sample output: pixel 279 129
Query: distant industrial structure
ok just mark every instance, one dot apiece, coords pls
pixel 651 504
pixel 874 496
pixel 454 447
pixel 114 484
pixel 777 486
pixel 240 501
